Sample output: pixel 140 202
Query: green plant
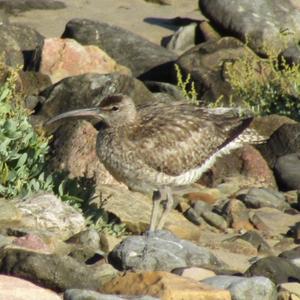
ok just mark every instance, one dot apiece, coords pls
pixel 266 86
pixel 22 150
pixel 187 86
pixel 101 220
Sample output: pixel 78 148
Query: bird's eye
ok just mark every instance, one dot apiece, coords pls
pixel 115 108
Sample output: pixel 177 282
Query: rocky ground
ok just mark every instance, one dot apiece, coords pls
pixel 234 235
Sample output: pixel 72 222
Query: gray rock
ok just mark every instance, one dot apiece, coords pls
pixel 273 222
pixel 214 219
pixel 76 294
pixel 263 197
pixel 49 213
pixel 259 22
pixel 200 207
pixel 162 251
pixel 257 241
pixel 86 246
pixel 284 140
pixel 292 255
pixel 258 287
pixel 53 271
pixel 167 88
pixel 183 39
pixel 277 269
pixel 291 55
pixel 287 171
pixel 140 55
pixel 88 90
pixel 193 216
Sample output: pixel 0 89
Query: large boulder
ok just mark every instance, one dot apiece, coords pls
pixel 127 48
pixel 261 23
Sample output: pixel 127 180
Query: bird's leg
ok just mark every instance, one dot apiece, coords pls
pixel 167 208
pixel 156 199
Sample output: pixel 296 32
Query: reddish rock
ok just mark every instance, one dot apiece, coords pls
pixel 31 241
pixel 76 154
pixel 207 195
pixel 13 288
pixel 63 58
pixel 244 166
pixel 238 216
pixel 255 166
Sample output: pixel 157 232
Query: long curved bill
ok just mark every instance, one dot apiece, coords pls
pixel 77 114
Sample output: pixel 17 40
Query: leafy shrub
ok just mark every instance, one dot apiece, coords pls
pixel 23 161
pixel 22 150
pixel 266 86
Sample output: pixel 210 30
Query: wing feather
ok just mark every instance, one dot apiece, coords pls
pixel 176 138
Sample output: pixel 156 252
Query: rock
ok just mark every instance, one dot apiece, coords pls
pixel 291 55
pixel 137 216
pixel 205 64
pixel 183 39
pixel 272 222
pixel 277 269
pixel 283 141
pixel 267 125
pixel 162 251
pixel 262 24
pixel 292 255
pixel 256 168
pixel 88 90
pixel 287 170
pixel 76 294
pixel 291 288
pixel 164 285
pixel 10 49
pixel 237 215
pixel 61 58
pixel 140 56
pixel 61 273
pixel 215 220
pixel 203 195
pixel 74 153
pixel 263 197
pixel 32 83
pixel 207 32
pixel 16 6
pixel 255 239
pixel 13 288
pixel 87 246
pixel 47 212
pixel 18 43
pixel 239 246
pixel 32 242
pixel 193 216
pixel 9 213
pixel 194 273
pixel 27 38
pixel 244 167
pixel 258 288
pixel 166 88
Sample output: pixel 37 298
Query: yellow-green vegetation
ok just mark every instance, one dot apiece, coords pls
pixel 266 86
pixel 22 150
pixel 187 86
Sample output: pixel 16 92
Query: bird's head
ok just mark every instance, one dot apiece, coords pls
pixel 115 110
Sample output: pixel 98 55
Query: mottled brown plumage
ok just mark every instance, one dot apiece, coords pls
pixel 156 147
